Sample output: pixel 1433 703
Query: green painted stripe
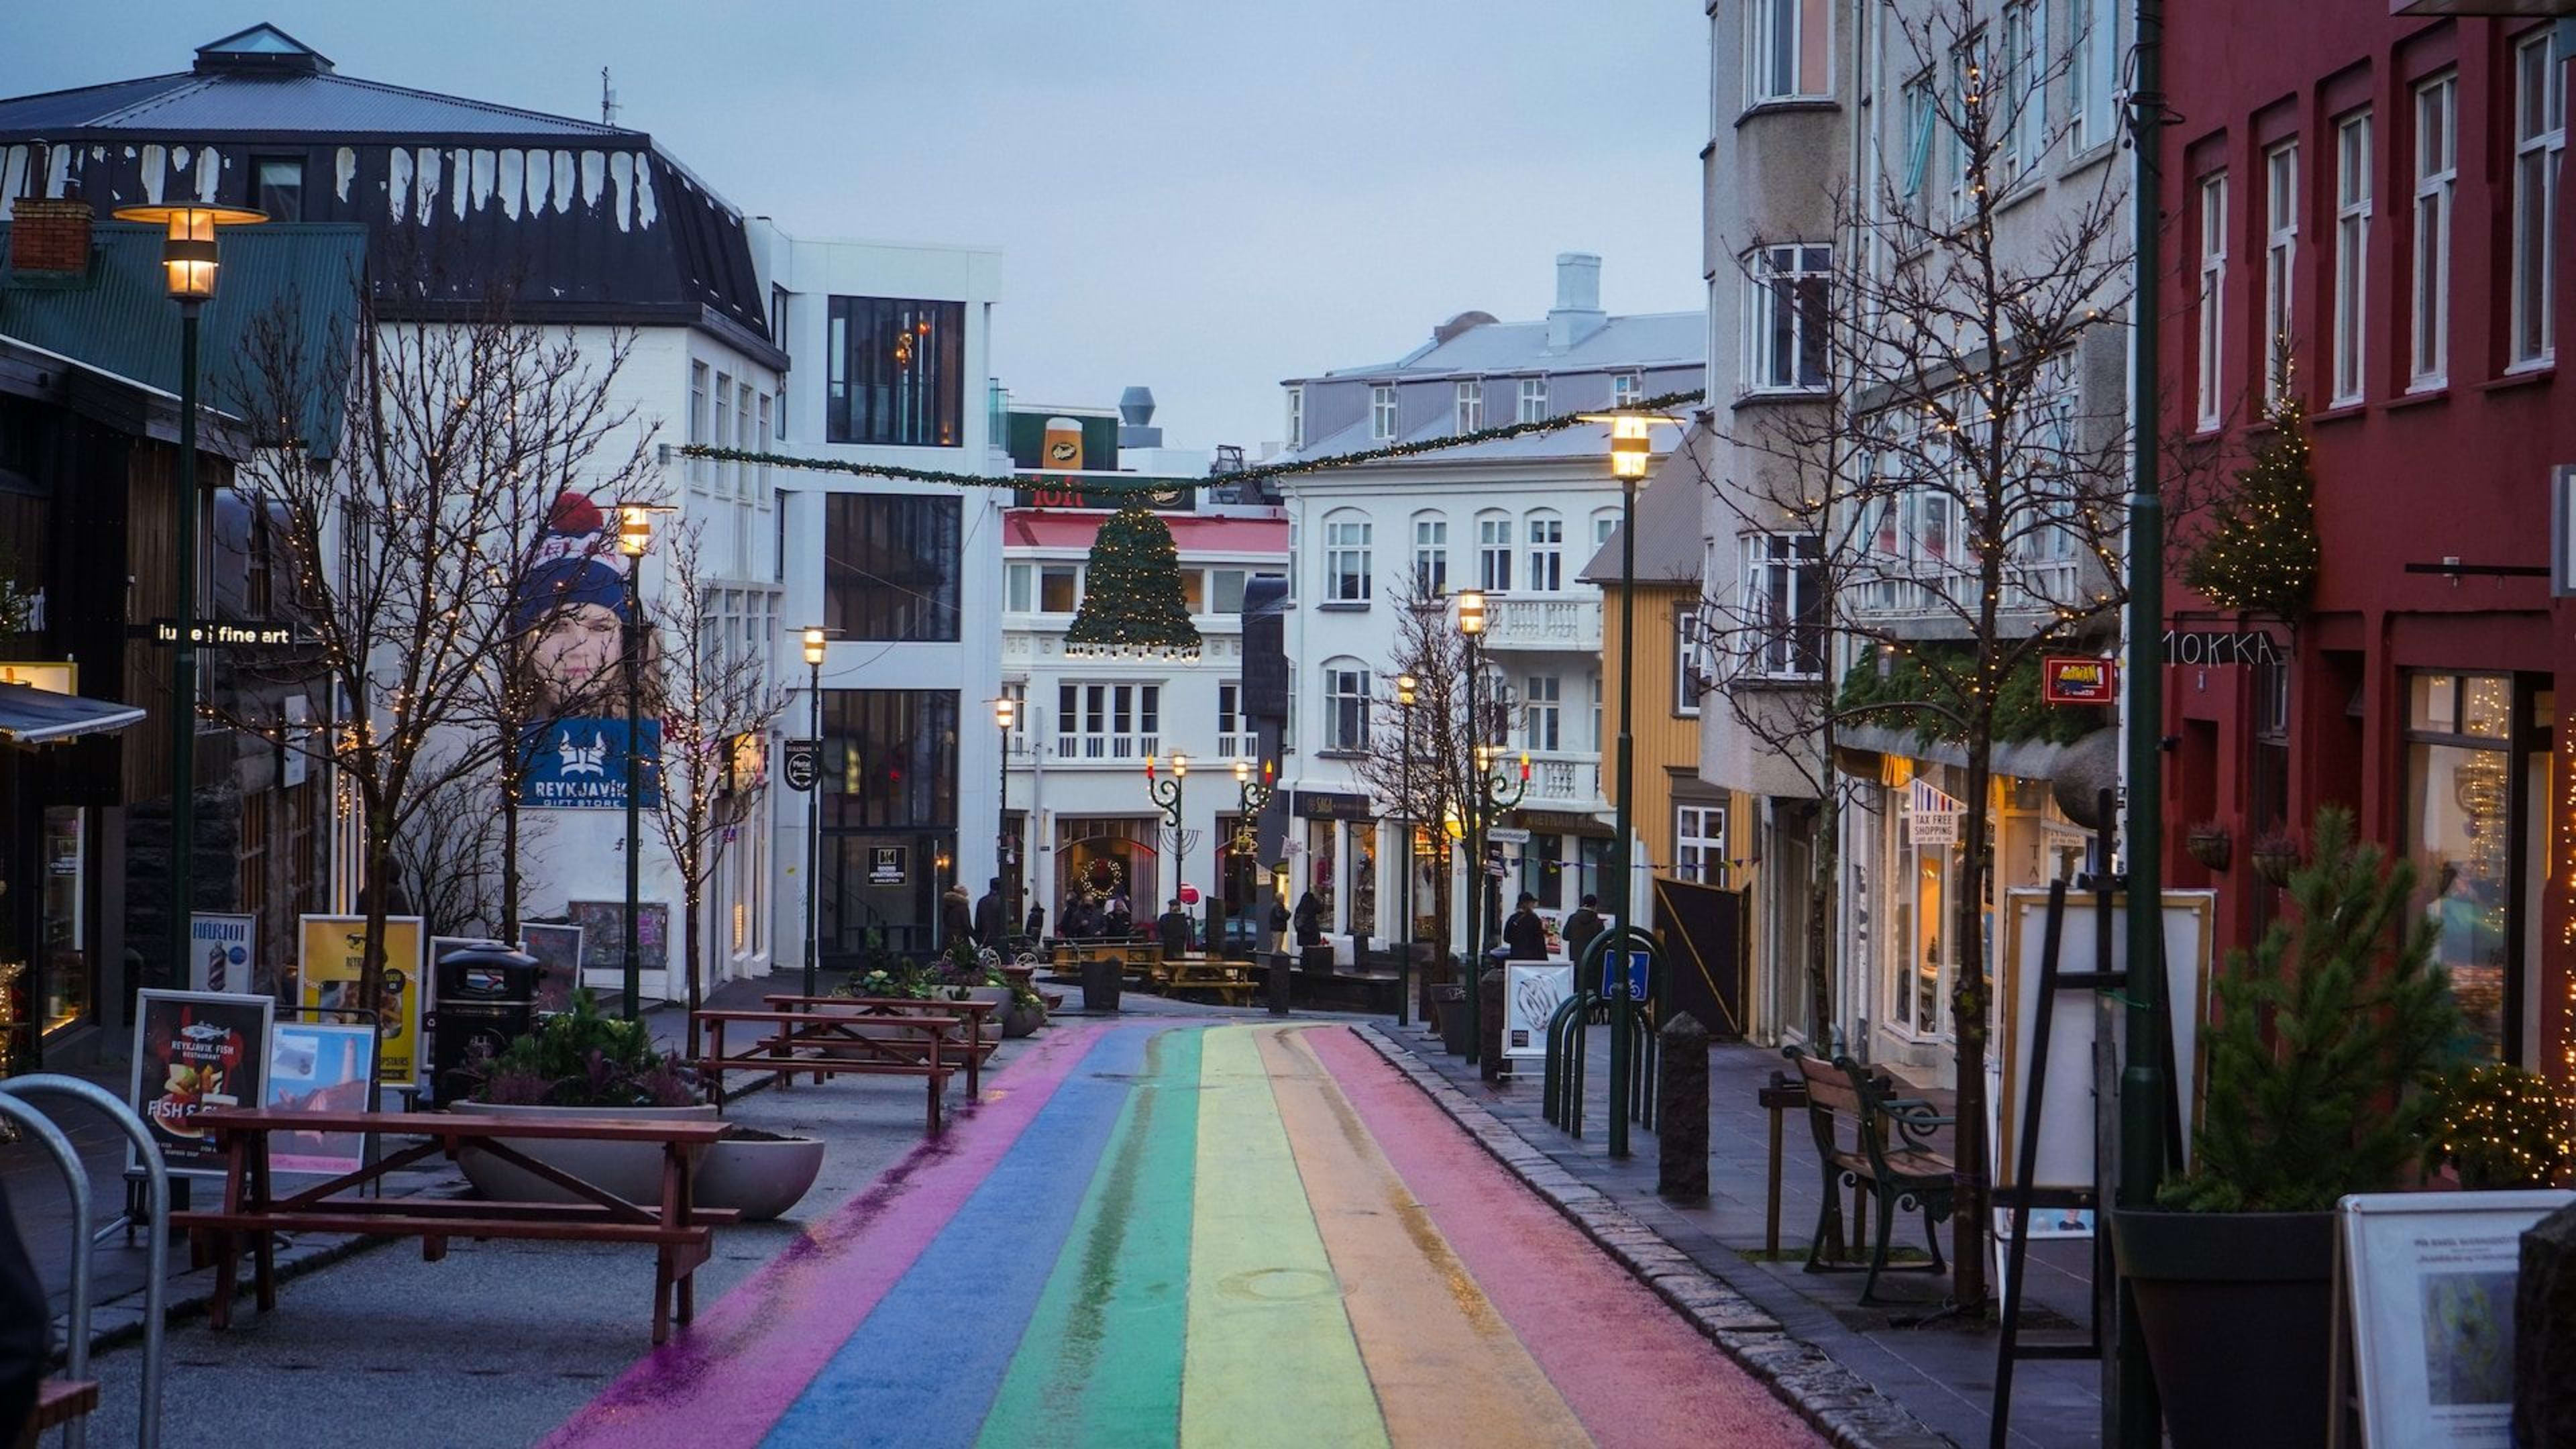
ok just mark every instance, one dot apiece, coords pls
pixel 1271 1356
pixel 1100 1361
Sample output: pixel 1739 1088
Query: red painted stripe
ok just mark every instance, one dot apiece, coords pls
pixel 1634 1371
pixel 725 1379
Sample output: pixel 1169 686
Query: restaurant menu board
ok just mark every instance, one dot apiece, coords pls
pixel 195 1052
pixel 319 1067
pixel 331 952
pixel 2429 1281
pixel 558 953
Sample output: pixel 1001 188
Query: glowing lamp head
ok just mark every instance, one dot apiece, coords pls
pixel 1180 767
pixel 634 530
pixel 188 244
pixel 1471 612
pixel 1004 710
pixel 1243 772
pixel 814 646
pixel 1631 446
pixel 1405 686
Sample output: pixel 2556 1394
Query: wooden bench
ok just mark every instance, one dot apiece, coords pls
pixel 1229 981
pixel 1850 1111
pixel 682 1233
pixel 967 1054
pixel 1138 957
pixel 893 1044
pixel 58 1402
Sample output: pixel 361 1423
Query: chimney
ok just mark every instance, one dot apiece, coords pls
pixel 1135 419
pixel 1577 313
pixel 49 235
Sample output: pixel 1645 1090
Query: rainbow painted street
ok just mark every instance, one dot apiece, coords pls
pixel 1199 1235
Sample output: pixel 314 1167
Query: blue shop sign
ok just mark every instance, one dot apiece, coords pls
pixel 580 764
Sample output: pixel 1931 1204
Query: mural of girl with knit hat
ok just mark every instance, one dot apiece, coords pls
pixel 572 601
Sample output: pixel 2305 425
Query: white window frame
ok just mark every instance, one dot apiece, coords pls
pixel 2093 76
pixel 1382 412
pixel 1348 550
pixel 1699 843
pixel 1689 653
pixel 1604 523
pixel 1347 704
pixel 1919 122
pixel 1494 552
pixel 1777 278
pixel 1296 417
pixel 2348 327
pixel 1233 732
pixel 1781 584
pixel 2280 258
pixel 2209 393
pixel 2539 141
pixel 1471 406
pixel 1107 720
pixel 1019 587
pixel 1431 555
pixel 1625 389
pixel 1532 401
pixel 1543 714
pixel 1783 61
pixel 1969 54
pixel 2437 176
pixel 2025 86
pixel 1546 534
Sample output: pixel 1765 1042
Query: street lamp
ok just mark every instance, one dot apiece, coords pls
pixel 1251 797
pixel 1631 456
pixel 188 263
pixel 814 647
pixel 634 537
pixel 1471 626
pixel 1167 793
pixel 1406 688
pixel 1005 709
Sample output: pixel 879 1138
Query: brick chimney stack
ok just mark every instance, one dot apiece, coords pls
pixel 47 235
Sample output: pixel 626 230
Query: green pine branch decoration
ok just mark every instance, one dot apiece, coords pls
pixel 1132 602
pixel 2261 552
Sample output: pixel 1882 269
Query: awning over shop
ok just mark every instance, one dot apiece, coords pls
pixel 2024 760
pixel 36 717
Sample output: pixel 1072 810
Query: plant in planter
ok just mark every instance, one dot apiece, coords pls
pixel 2321 1064
pixel 2276 857
pixel 582 1058
pixel 2500 1126
pixel 2210 844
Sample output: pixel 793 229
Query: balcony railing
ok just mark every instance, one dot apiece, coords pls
pixel 1087 748
pixel 1561 780
pixel 1952 593
pixel 1570 624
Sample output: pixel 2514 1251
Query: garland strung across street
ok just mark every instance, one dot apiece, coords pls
pixel 1247 475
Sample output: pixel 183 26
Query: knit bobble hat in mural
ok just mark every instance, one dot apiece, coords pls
pixel 575 564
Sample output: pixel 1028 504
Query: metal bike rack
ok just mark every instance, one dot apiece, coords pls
pixel 14 1107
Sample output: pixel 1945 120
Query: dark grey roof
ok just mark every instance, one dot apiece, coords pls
pixel 230 102
pixel 1642 339
pixel 1668 526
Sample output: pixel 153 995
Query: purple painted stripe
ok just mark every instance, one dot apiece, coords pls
pixel 725 1379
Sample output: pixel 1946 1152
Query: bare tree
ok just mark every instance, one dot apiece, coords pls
pixel 405 521
pixel 1946 503
pixel 1434 789
pixel 718 701
pixel 450 862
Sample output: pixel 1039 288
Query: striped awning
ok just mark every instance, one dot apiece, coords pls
pixel 37 717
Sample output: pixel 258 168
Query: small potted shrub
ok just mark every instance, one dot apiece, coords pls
pixel 2322 1066
pixel 2210 844
pixel 2276 857
pixel 582 1063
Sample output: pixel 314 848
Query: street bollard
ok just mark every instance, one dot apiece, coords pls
pixel 1279 984
pixel 1681 1111
pixel 1489 1028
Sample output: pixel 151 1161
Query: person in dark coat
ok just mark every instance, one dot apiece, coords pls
pixel 1581 927
pixel 1524 934
pixel 989 927
pixel 956 918
pixel 1118 925
pixel 1310 920
pixel 1080 922
pixel 1279 926
pixel 24 1319
pixel 1174 928
pixel 1036 928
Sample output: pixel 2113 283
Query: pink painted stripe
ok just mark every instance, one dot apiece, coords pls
pixel 1631 1369
pixel 726 1378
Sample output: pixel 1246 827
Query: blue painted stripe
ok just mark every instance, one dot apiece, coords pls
pixel 924 1368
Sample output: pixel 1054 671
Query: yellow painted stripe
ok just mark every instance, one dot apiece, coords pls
pixel 1270 1359
pixel 1448 1369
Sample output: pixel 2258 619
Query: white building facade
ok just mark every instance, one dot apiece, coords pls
pixel 1517 518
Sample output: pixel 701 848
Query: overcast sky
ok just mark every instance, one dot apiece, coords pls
pixel 1204 196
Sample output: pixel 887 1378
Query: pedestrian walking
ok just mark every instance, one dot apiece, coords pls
pixel 956 918
pixel 1174 928
pixel 989 926
pixel 1310 920
pixel 1524 934
pixel 1036 928
pixel 1582 926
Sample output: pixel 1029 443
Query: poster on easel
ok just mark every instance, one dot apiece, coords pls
pixel 331 952
pixel 196 1052
pixel 2424 1298
pixel 219 951
pixel 2066 1112
pixel 319 1066
pixel 558 952
pixel 1532 992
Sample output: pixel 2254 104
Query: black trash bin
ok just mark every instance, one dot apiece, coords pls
pixel 1456 1031
pixel 487 996
pixel 1101 978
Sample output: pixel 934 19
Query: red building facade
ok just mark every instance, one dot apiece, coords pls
pixel 2384 192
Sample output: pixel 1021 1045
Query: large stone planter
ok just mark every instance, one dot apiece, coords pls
pixel 2237 1312
pixel 758 1178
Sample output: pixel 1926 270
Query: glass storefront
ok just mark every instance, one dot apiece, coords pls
pixel 2469 861
pixel 62 930
pixel 1362 856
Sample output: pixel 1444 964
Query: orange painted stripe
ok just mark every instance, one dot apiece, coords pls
pixel 1448 1370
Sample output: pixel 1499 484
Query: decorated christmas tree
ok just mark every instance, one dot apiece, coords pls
pixel 1132 602
pixel 2261 550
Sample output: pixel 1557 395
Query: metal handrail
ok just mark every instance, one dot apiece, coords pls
pixel 147 1433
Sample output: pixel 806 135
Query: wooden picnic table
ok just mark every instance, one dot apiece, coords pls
pixel 969 1054
pixel 899 1044
pixel 681 1232
pixel 1230 981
